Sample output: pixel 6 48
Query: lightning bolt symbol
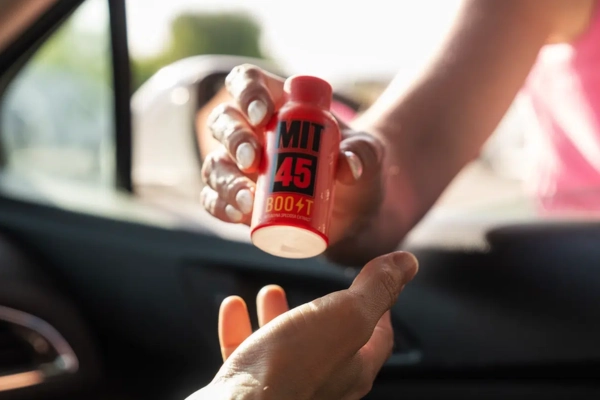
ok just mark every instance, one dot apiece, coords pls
pixel 300 205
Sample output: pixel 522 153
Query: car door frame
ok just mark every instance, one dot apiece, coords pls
pixel 18 53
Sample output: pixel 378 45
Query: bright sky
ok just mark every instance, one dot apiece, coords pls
pixel 331 39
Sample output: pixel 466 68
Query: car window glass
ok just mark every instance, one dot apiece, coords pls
pixel 168 110
pixel 56 117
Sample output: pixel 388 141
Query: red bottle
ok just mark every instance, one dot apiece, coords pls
pixel 294 191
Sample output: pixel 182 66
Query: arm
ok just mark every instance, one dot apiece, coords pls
pixel 430 131
pixel 438 125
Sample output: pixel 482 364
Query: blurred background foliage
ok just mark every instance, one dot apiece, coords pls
pixel 203 33
pixel 228 33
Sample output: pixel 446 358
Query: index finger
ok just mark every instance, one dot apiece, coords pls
pixel 257 93
pixel 234 325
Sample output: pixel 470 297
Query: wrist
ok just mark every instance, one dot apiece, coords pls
pixel 230 388
pixel 403 203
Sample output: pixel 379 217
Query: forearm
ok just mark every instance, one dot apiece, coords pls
pixel 436 126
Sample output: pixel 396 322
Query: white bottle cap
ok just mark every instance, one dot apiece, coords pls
pixel 288 241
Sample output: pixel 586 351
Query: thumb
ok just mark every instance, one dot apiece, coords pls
pixel 361 155
pixel 381 281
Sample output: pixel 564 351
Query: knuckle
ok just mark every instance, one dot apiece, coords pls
pixel 389 285
pixel 210 164
pixel 253 92
pixel 235 137
pixel 242 77
pixel 221 180
pixel 251 72
pixel 232 184
pixel 207 167
pixel 204 194
pixel 359 316
pixel 223 121
pixel 357 303
pixel 216 112
pixel 233 74
pixel 226 108
pixel 217 168
pixel 240 182
pixel 238 134
pixel 208 199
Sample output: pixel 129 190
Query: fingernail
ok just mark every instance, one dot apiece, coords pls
pixel 257 111
pixel 221 124
pixel 245 155
pixel 406 262
pixel 233 214
pixel 355 164
pixel 244 201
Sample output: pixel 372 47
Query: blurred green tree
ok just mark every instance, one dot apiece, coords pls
pixel 203 33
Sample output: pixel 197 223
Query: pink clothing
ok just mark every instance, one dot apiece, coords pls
pixel 345 113
pixel 564 92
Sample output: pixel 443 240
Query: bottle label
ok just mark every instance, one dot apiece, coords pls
pixel 294 168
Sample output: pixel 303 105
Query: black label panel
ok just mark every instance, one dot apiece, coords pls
pixel 295 172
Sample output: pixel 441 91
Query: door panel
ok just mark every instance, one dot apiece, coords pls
pixel 524 309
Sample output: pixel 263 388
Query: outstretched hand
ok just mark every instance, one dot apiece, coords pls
pixel 330 348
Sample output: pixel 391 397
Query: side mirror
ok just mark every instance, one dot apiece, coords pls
pixel 165 149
